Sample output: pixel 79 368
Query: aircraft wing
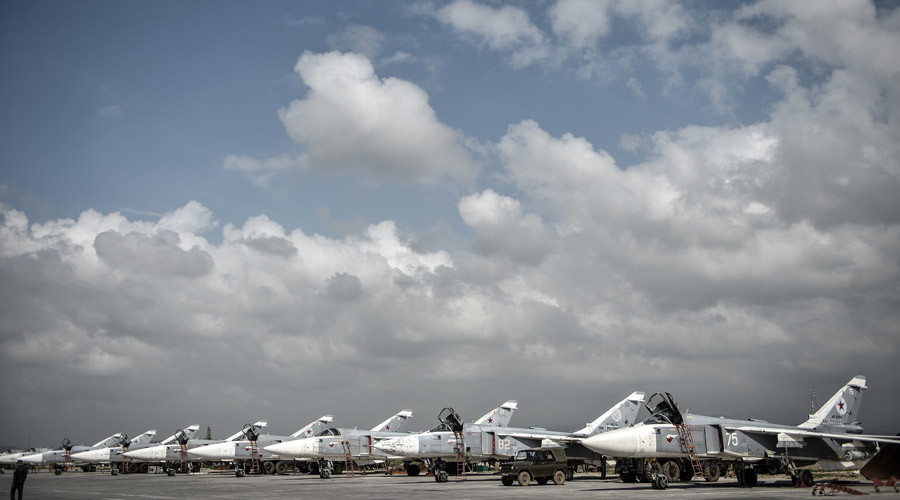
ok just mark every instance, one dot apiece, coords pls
pixel 797 431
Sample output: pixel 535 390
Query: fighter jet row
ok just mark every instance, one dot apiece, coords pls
pixel 668 446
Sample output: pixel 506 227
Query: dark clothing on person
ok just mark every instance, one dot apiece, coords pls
pixel 18 483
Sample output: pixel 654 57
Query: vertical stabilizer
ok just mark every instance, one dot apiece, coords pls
pixel 499 416
pixel 397 423
pixel 314 428
pixel 622 415
pixel 841 412
pixel 144 438
pixel 109 442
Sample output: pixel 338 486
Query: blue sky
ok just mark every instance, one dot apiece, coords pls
pixel 447 191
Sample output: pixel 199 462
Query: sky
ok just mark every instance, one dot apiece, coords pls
pixel 217 212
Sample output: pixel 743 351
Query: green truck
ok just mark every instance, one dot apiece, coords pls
pixel 538 464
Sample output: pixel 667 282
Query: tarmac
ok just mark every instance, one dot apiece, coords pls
pixel 77 485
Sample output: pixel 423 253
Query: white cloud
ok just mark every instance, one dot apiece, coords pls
pixel 580 22
pixel 261 172
pixel 352 119
pixel 506 29
pixel 364 40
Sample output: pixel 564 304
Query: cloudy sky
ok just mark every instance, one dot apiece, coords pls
pixel 216 212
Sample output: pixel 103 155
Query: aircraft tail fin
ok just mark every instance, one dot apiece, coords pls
pixel 397 423
pixel 314 428
pixel 145 437
pixel 109 442
pixel 499 416
pixel 621 415
pixel 841 412
pixel 189 432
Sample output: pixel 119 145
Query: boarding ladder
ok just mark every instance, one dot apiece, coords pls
pixel 460 448
pixel 687 440
pixel 254 457
pixel 348 458
pixel 185 464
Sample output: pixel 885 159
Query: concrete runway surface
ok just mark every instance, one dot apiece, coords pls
pixel 81 485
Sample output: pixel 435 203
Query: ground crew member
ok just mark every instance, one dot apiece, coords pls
pixel 18 480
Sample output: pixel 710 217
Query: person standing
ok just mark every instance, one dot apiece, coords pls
pixel 18 480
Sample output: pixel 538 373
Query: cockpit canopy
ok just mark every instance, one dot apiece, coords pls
pixel 440 428
pixel 663 410
pixel 334 431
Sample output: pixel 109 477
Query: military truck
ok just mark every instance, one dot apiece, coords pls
pixel 538 464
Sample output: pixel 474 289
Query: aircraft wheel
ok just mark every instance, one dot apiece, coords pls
pixel 57 471
pixel 114 472
pixel 661 482
pixel 170 472
pixel 269 467
pixel 542 480
pixel 281 467
pixel 524 478
pixel 325 473
pixel 712 472
pixel 750 478
pixel 806 478
pixel 412 470
pixel 238 472
pixel 441 476
pixel 671 471
pixel 559 478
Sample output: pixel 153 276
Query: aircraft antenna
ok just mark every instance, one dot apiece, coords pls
pixel 812 400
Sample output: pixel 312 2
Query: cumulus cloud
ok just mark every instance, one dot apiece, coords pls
pixel 506 29
pixel 352 119
pixel 364 40
pixel 110 111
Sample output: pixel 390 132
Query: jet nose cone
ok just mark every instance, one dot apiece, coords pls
pixel 617 443
pixel 32 459
pixel 284 449
pixel 88 455
pixel 143 453
pixel 220 450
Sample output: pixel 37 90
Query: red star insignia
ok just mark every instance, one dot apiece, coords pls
pixel 490 420
pixel 309 431
pixel 841 405
pixel 388 427
pixel 331 445
pixel 669 438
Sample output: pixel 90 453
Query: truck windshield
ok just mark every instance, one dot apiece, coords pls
pixel 525 455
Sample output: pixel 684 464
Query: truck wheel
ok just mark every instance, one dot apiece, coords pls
pixel 524 478
pixel 269 467
pixel 93 468
pixel 413 470
pixel 506 481
pixel 806 478
pixel 672 471
pixel 281 467
pixel 144 468
pixel 712 472
pixel 559 478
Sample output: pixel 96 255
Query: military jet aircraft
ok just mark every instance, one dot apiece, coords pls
pixel 684 445
pixel 335 443
pixel 241 449
pixel 64 454
pixel 114 454
pixel 484 441
pixel 172 455
pixel 11 456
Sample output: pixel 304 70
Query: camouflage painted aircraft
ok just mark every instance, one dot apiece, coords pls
pixel 484 440
pixel 241 450
pixel 659 445
pixel 330 445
